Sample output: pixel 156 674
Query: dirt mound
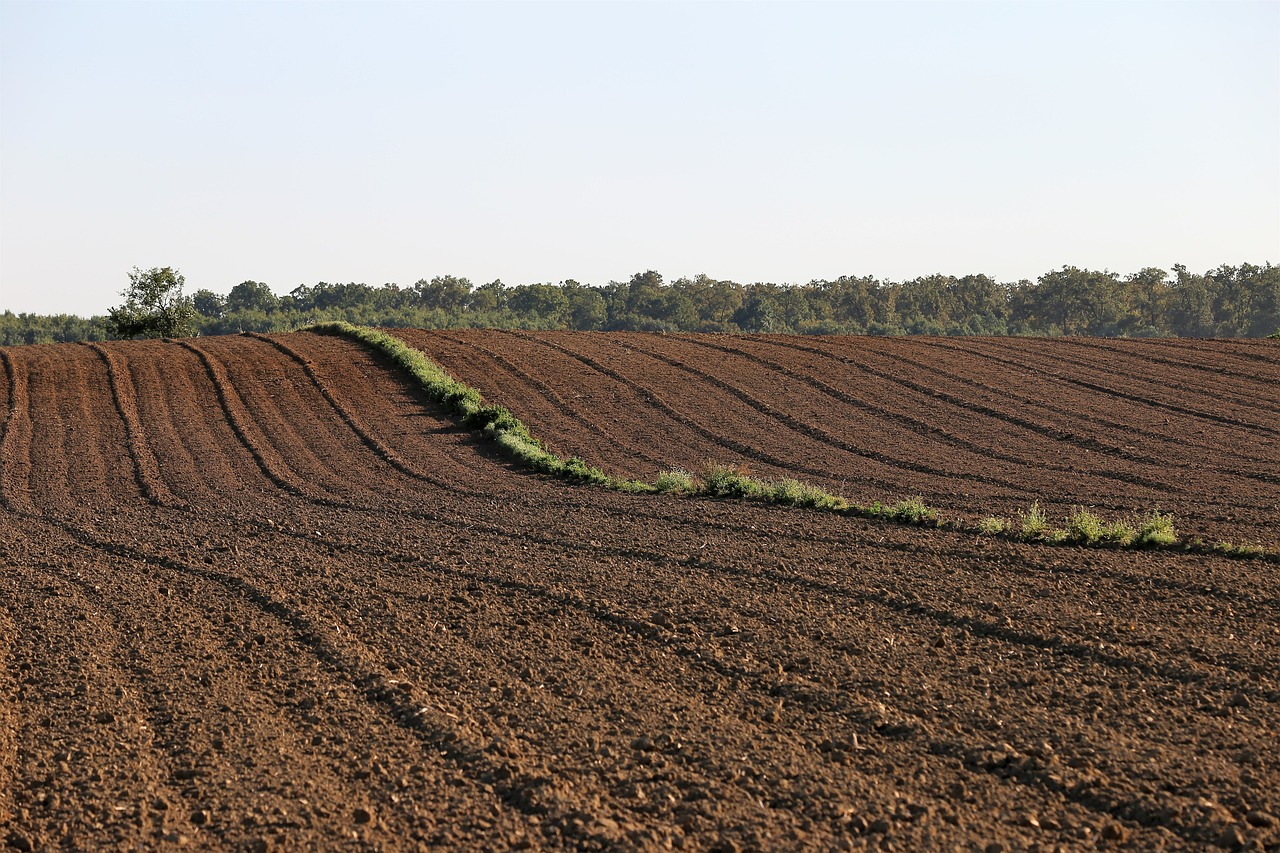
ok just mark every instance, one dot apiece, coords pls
pixel 258 593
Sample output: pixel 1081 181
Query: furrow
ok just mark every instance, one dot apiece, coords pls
pixel 817 433
pixel 146 470
pixel 1139 367
pixel 364 678
pixel 267 460
pixel 935 393
pixel 815 699
pixel 1137 398
pixel 1148 355
pixel 711 436
pixel 15 446
pixel 984 452
pixel 353 421
pixel 1082 414
pixel 238 675
pixel 552 397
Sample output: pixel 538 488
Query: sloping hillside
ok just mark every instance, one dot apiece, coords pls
pixel 261 594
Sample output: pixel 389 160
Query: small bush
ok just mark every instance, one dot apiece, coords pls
pixel 788 491
pixel 676 480
pixel 1156 529
pixel 913 511
pixel 993 526
pixel 731 481
pixel 1231 549
pixel 1084 527
pixel 1034 523
pixel 795 493
pixel 1120 532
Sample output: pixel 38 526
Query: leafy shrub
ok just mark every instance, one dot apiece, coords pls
pixel 795 493
pixel 993 526
pixel 731 481
pixel 1156 529
pixel 1083 526
pixel 1034 522
pixel 676 480
pixel 1087 528
pixel 913 511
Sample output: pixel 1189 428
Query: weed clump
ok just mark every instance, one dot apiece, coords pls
pixel 1034 523
pixel 1087 528
pixel 1240 550
pixel 1156 530
pixel 719 480
pixel 731 481
pixel 993 526
pixel 912 511
pixel 677 481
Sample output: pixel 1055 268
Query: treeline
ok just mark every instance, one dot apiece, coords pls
pixel 1230 301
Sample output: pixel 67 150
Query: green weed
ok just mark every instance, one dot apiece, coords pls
pixel 1087 528
pixel 731 481
pixel 913 511
pixel 993 526
pixel 1156 530
pixel 1034 523
pixel 676 480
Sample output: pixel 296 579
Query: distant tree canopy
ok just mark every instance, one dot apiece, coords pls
pixel 1229 301
pixel 154 307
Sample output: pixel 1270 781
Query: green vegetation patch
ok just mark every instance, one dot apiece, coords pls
pixel 719 480
pixel 496 422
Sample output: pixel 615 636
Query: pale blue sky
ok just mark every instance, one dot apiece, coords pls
pixel 295 142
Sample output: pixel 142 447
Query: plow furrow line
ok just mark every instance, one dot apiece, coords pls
pixel 821 435
pixel 828 709
pixel 1053 433
pixel 924 429
pixel 670 411
pixel 171 739
pixel 821 702
pixel 1143 371
pixel 551 396
pixel 1133 397
pixel 146 470
pixel 907 605
pixel 268 462
pixel 380 449
pixel 1083 413
pixel 432 726
pixel 1149 356
pixel 127 658
pixel 15 447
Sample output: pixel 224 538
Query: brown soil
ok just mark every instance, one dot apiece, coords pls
pixel 260 594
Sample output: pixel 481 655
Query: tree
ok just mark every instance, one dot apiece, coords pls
pixel 154 306
pixel 208 304
pixel 252 296
pixel 446 292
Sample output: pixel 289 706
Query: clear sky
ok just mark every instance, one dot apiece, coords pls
pixel 298 142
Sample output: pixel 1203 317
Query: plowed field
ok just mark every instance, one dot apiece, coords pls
pixel 261 594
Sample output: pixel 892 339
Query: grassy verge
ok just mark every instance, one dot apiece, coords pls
pixel 716 480
pixel 496 422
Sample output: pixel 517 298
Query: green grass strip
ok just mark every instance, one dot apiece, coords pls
pixel 496 422
pixel 1155 530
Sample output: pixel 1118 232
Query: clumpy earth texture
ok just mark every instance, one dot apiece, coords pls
pixel 260 593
